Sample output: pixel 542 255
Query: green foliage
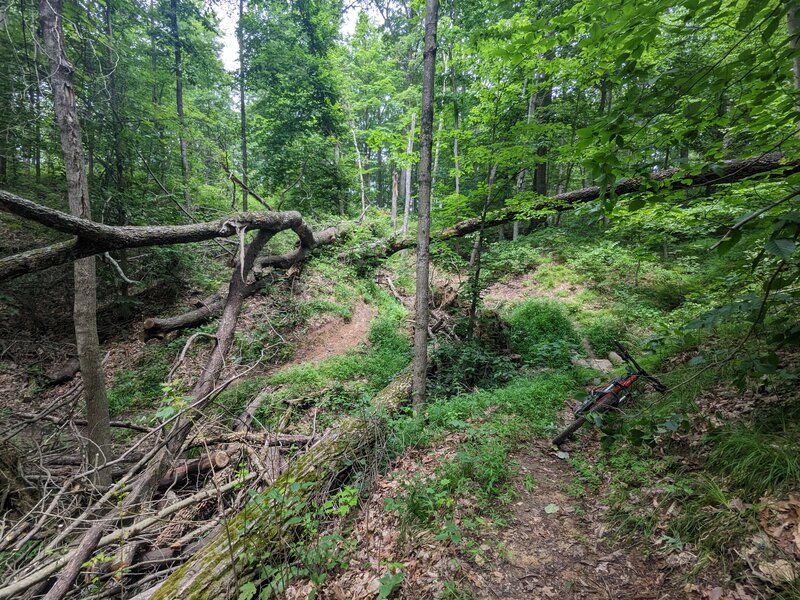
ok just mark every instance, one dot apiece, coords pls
pixel 310 554
pixel 758 458
pixel 542 334
pixel 602 330
pixel 462 367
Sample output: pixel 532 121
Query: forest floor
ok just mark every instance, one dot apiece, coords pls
pixel 549 535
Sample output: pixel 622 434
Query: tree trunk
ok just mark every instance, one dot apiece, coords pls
pixel 523 173
pixel 543 151
pixel 360 166
pixel 173 15
pixel 440 128
pixel 793 16
pixel 409 152
pixel 85 300
pixel 260 530
pixel 422 313
pixel 475 257
pixel 394 201
pixel 456 165
pixel 242 106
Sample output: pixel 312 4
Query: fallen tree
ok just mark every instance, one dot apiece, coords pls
pixel 669 179
pixel 97 238
pixel 262 529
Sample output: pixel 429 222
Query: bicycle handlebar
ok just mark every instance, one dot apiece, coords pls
pixel 636 368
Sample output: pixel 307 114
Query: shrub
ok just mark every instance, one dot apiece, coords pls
pixel 460 367
pixel 542 333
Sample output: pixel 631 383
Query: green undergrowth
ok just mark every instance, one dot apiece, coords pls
pixel 491 426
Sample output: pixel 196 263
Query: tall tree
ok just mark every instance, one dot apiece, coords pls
pixel 407 172
pixel 85 302
pixel 178 49
pixel 242 105
pixel 420 367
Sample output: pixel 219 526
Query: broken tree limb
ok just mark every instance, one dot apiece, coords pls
pixel 13 589
pixel 208 307
pixel 729 171
pixel 96 238
pixel 215 570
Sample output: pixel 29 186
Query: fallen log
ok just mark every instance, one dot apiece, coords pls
pixel 669 179
pixel 188 470
pixel 94 238
pixel 218 569
pixel 209 307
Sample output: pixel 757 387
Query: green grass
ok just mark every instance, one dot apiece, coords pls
pixel 757 458
pixel 494 423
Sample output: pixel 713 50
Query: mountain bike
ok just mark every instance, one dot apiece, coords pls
pixel 611 395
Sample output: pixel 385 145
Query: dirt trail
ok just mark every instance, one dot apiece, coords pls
pixel 335 336
pixel 554 545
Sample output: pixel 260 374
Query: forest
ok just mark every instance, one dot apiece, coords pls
pixel 370 299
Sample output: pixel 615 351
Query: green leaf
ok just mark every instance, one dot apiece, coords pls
pixel 781 248
pixel 729 242
pixel 637 204
pixel 389 583
pixel 248 591
pixel 552 508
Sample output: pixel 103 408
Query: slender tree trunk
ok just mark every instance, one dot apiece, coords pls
pixel 337 159
pixel 242 106
pixel 475 257
pixel 409 152
pixel 456 165
pixel 85 301
pixel 360 166
pixel 394 200
pixel 543 151
pixel 793 16
pixel 380 196
pixel 440 128
pixel 176 40
pixel 422 313
pixel 523 173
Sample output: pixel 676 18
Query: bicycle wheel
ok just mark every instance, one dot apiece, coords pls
pixel 569 431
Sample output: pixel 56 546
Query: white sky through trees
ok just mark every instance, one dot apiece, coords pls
pixel 228 14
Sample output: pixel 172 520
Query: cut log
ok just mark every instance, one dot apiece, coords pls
pixel 188 472
pixel 215 570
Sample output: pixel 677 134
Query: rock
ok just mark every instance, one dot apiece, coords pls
pixel 599 364
pixel 615 358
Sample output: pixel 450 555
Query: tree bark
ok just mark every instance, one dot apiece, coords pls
pixel 242 106
pixel 409 152
pixel 176 41
pixel 85 300
pixel 394 201
pixel 422 313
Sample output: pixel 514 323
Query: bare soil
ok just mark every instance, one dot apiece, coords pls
pixel 335 336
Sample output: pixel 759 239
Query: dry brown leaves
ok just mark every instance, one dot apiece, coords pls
pixel 384 544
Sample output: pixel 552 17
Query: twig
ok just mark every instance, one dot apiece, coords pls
pixel 232 176
pixel 110 260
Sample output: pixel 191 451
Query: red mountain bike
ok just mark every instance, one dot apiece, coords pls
pixel 611 395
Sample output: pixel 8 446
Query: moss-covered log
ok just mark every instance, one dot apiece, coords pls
pixel 223 564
